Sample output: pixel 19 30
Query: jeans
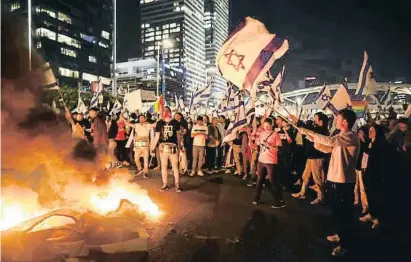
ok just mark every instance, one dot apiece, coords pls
pixel 198 156
pixel 121 152
pixel 164 157
pixel 210 157
pixel 340 197
pixel 314 167
pixel 274 187
pixel 237 158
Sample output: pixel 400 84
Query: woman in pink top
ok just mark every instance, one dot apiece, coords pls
pixel 268 142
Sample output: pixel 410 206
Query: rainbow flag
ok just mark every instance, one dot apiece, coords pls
pixel 157 106
pixel 359 107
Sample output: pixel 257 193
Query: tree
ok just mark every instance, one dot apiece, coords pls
pixel 70 97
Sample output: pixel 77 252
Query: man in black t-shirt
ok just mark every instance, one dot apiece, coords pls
pixel 168 130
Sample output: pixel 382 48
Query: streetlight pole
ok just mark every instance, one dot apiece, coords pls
pixel 114 84
pixel 158 68
pixel 29 30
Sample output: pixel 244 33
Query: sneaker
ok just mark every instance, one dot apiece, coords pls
pixel 339 252
pixel 298 195
pixel 334 238
pixel 366 218
pixel 251 184
pixel 145 175
pixel 280 204
pixel 255 203
pixel 245 177
pixel 178 189
pixel 200 173
pixel 164 188
pixel 317 201
pixel 192 174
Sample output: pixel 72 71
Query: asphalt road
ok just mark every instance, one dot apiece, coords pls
pixel 214 220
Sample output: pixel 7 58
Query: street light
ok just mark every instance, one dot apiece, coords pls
pixel 166 43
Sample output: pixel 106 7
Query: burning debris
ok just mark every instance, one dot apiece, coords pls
pixel 48 177
pixel 67 233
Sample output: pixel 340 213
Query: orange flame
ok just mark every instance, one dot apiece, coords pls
pixel 20 204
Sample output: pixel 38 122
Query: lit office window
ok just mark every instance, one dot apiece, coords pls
pixel 89 77
pixel 64 18
pixel 68 52
pixel 68 72
pixel 14 6
pixel 102 44
pixel 68 41
pixel 92 59
pixel 43 32
pixel 45 10
pixel 105 34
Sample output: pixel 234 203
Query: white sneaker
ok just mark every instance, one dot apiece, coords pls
pixel 200 173
pixel 334 238
pixel 366 218
pixel 339 251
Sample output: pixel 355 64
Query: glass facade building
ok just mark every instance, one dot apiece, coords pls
pixel 216 24
pixel 176 29
pixel 74 36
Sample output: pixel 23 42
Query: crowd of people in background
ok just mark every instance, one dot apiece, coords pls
pixel 274 153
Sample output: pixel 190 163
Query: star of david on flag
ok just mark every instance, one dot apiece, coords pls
pixel 248 53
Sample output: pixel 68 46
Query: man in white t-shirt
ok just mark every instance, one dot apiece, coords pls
pixel 199 133
pixel 141 143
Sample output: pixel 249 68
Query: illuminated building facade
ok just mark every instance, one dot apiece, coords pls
pixel 216 24
pixel 74 36
pixel 181 24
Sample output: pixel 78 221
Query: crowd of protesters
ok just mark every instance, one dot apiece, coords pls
pixel 278 154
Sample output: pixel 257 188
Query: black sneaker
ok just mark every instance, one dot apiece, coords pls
pixel 145 175
pixel 279 205
pixel 178 189
pixel 164 188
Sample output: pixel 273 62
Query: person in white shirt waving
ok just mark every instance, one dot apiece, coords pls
pixel 141 142
pixel 344 148
pixel 199 133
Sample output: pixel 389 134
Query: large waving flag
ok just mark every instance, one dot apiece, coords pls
pixel 324 97
pixel 248 53
pixel 239 122
pixel 340 100
pixel 366 82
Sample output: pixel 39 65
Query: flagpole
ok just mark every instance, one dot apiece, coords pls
pixel 278 113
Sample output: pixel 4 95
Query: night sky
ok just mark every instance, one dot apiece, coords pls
pixel 346 27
